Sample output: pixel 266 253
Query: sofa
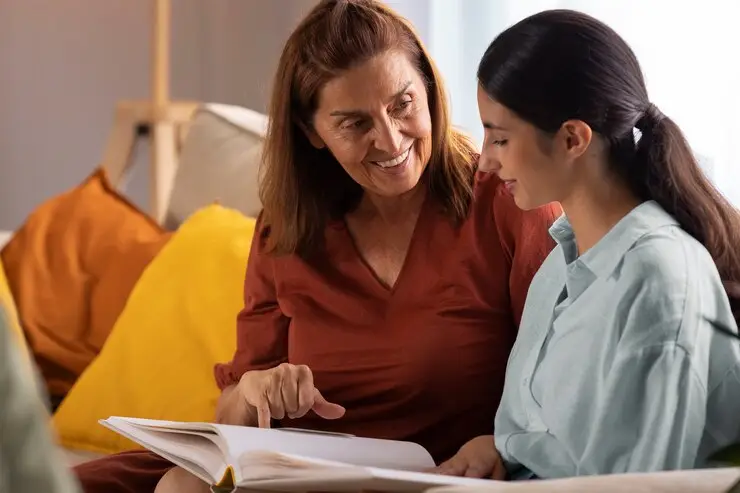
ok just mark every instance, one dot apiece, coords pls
pixel 86 268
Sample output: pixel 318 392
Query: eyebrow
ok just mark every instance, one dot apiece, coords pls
pixel 492 126
pixel 346 113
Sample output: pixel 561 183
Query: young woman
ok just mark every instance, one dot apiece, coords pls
pixel 616 367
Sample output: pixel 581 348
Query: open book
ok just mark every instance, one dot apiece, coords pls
pixel 284 459
pixel 716 480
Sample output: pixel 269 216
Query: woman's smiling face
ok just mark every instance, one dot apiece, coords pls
pixel 375 120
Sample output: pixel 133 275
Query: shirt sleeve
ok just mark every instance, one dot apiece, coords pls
pixel 261 329
pixel 651 416
pixel 526 241
pixel 648 411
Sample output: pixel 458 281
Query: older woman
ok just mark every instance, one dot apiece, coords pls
pixel 387 280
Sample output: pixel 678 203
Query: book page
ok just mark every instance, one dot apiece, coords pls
pixel 260 466
pixel 266 471
pixel 191 451
pixel 425 480
pixel 238 442
pixel 687 481
pixel 274 465
pixel 344 449
pixel 165 425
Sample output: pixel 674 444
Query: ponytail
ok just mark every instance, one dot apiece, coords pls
pixel 671 175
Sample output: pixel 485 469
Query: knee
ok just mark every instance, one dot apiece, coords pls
pixel 178 480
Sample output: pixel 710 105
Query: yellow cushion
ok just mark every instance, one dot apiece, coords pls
pixel 179 321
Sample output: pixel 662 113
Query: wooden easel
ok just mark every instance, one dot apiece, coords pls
pixel 165 121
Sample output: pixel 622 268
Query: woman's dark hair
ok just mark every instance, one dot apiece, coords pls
pixel 561 65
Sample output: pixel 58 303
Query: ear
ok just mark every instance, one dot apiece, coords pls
pixel 311 135
pixel 576 136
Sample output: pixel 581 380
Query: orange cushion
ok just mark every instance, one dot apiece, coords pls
pixel 71 267
pixel 115 284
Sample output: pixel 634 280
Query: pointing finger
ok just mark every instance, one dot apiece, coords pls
pixel 326 409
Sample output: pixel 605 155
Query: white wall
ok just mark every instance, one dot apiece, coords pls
pixel 64 64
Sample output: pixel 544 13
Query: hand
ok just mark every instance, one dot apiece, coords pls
pixel 476 459
pixel 286 390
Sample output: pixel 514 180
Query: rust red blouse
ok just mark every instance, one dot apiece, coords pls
pixel 423 361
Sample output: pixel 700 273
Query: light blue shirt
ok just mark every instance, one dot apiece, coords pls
pixel 614 368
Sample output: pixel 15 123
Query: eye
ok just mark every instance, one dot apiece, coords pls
pixel 402 107
pixel 500 142
pixel 352 124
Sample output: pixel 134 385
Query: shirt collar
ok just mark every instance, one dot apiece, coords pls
pixel 602 258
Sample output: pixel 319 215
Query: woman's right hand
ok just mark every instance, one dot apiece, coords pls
pixel 478 458
pixel 286 390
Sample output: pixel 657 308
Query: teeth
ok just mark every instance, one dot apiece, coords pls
pixel 394 162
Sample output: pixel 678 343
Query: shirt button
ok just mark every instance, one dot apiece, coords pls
pixel 525 382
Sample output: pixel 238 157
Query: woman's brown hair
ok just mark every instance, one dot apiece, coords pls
pixel 303 188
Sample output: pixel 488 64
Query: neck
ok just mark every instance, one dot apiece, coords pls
pixel 392 209
pixel 594 208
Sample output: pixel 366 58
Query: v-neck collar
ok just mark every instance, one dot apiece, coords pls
pixel 417 233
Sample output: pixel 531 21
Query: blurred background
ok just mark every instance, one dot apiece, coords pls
pixel 65 65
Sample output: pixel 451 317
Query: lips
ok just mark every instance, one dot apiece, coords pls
pixel 395 161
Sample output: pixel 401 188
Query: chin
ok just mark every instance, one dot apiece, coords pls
pixel 526 204
pixel 397 189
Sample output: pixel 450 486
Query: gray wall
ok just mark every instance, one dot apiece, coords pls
pixel 64 64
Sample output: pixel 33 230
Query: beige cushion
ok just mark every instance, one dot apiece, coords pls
pixel 219 162
pixel 4 237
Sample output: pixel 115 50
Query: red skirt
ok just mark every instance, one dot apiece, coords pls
pixel 136 471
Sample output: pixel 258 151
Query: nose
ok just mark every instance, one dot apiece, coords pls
pixel 488 162
pixel 388 137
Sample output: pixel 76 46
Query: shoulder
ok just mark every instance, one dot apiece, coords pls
pixel 261 247
pixel 668 279
pixel 651 280
pixel 666 258
pixel 657 258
